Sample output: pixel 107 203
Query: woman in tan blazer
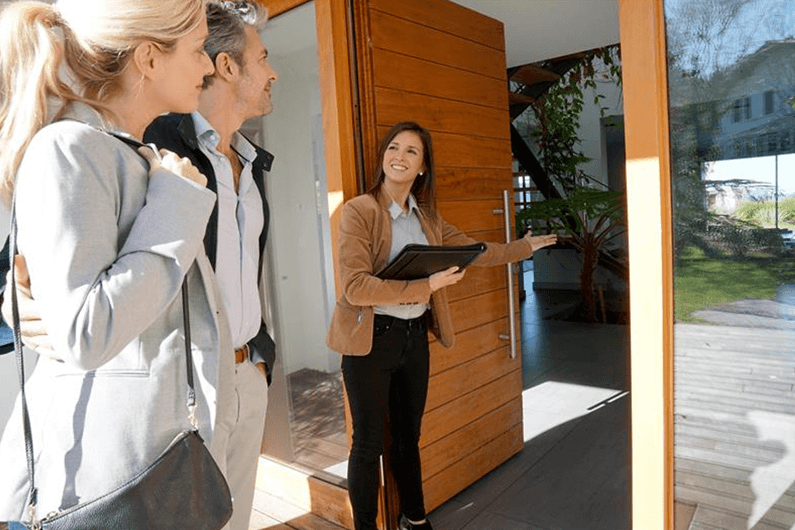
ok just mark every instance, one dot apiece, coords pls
pixel 381 326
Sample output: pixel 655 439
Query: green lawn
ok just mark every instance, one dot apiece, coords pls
pixel 700 282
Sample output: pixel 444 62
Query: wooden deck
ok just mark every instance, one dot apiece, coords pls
pixel 735 426
pixel 318 419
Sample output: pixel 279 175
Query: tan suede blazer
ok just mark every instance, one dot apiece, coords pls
pixel 365 240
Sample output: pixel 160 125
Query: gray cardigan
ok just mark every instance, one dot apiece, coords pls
pixel 107 248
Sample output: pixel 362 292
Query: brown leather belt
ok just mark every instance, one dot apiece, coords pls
pixel 241 355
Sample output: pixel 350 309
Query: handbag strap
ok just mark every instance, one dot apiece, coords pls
pixel 191 398
pixel 13 251
pixel 32 492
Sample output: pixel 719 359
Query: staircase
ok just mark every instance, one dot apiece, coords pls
pixel 531 82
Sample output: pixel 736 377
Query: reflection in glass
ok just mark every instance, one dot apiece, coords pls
pixel 305 399
pixel 731 88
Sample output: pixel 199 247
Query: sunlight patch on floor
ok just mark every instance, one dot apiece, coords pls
pixel 553 403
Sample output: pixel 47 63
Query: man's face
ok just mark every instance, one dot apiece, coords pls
pixel 256 77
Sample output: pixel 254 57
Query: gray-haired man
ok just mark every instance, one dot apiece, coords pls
pixel 239 89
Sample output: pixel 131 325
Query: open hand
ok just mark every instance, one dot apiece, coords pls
pixel 171 162
pixel 444 278
pixel 539 242
pixel 31 327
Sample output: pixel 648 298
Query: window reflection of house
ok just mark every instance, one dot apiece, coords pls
pixel 761 122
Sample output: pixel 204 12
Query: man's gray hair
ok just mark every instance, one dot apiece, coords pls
pixel 226 22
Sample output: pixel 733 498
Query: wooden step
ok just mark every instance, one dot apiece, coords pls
pixel 296 496
pixel 515 98
pixel 530 74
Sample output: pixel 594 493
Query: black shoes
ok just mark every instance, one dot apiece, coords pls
pixel 406 525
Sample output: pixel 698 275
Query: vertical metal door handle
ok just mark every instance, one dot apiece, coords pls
pixel 509 269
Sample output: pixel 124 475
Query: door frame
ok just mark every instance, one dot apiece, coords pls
pixel 642 30
pixel 650 235
pixel 337 101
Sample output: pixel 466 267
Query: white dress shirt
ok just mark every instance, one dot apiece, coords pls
pixel 240 222
pixel 406 229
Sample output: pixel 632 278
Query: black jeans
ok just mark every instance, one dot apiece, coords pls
pixel 392 379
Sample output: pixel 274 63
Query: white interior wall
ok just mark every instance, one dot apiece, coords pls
pixel 541 29
pixel 591 128
pixel 299 234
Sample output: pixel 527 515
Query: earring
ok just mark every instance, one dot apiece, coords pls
pixel 421 173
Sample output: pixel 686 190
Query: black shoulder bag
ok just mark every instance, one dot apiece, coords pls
pixel 182 488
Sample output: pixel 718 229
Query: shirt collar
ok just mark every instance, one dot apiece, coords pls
pixel 396 211
pixel 208 136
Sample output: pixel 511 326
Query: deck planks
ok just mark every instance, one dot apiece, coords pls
pixel 734 406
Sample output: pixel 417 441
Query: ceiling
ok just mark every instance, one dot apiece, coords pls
pixel 542 29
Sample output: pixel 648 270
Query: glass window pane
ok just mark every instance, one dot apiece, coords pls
pixel 306 419
pixel 731 87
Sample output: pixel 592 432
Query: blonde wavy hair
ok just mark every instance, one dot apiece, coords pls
pixel 76 50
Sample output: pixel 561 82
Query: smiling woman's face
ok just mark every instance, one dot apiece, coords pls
pixel 403 158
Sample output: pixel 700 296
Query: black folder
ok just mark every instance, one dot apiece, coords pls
pixel 420 261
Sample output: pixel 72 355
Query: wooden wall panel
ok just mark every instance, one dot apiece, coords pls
pixel 451 18
pixel 443 65
pixel 399 72
pixel 464 472
pixel 469 216
pixel 438 114
pixel 429 44
pixel 480 432
pixel 478 310
pixel 471 182
pixel 277 7
pixel 457 414
pixel 481 279
pixel 459 150
pixel 469 344
pixel 447 386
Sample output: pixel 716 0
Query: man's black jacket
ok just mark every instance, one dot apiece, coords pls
pixel 177 133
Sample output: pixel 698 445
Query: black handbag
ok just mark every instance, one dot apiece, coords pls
pixel 182 489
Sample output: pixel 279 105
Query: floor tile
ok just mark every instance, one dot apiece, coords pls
pixel 495 521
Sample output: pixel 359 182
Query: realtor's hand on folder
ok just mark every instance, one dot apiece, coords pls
pixel 444 278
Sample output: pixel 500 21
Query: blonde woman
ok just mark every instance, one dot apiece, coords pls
pixel 108 236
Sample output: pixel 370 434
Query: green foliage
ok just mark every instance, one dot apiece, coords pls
pixel 585 214
pixel 721 236
pixel 586 218
pixel 558 116
pixel 763 213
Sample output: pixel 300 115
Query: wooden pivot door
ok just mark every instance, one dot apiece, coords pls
pixel 442 65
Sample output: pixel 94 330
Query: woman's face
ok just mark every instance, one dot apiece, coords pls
pixel 182 72
pixel 404 158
